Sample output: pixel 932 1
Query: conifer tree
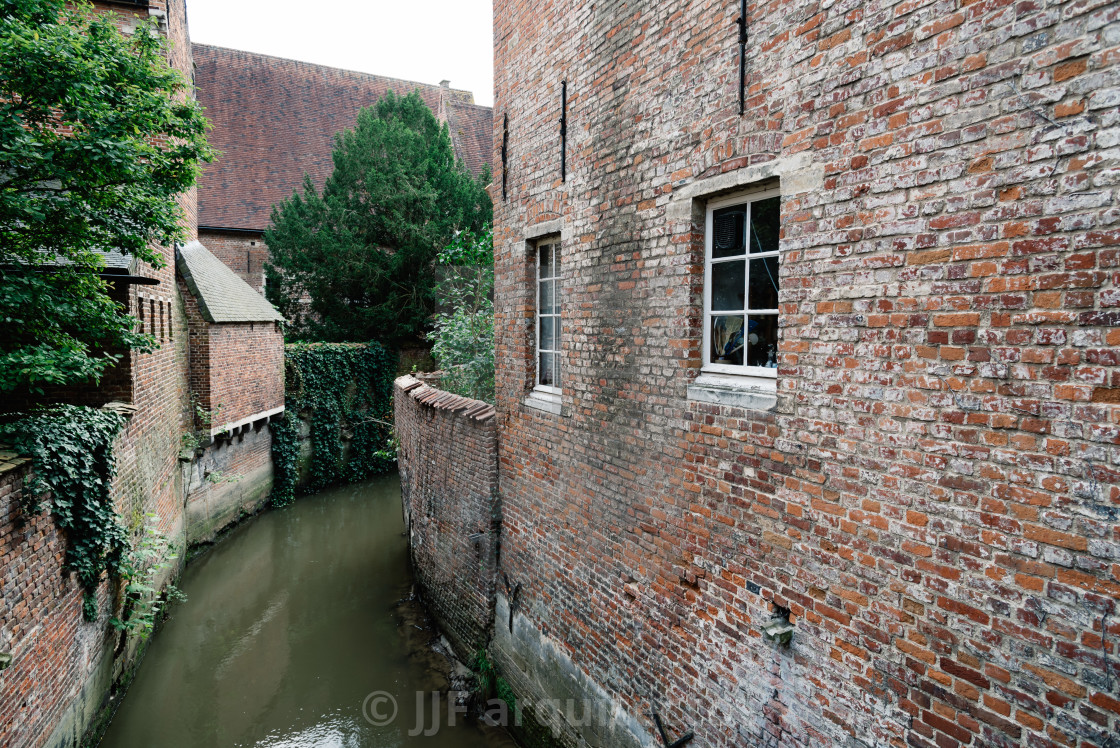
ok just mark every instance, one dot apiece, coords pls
pixel 364 250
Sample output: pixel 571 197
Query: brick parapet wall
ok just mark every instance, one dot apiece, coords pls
pixel 935 494
pixel 449 479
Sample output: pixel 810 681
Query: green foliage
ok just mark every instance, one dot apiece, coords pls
pixel 72 456
pixel 364 250
pixel 285 459
pixel 98 136
pixel 463 338
pixel 491 684
pixel 344 388
pixel 140 570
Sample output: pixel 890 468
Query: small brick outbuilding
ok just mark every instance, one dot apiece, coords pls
pixel 236 375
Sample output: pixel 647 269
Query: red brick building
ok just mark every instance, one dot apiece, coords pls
pixel 829 356
pixel 275 120
pixel 236 365
pixel 63 668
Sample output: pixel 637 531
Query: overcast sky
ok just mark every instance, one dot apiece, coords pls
pixel 423 40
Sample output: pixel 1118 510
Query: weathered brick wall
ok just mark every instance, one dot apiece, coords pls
pixel 449 479
pixel 246 369
pixel 935 494
pixel 244 253
pixel 65 666
pixel 37 598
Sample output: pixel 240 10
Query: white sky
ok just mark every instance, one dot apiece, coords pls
pixel 424 40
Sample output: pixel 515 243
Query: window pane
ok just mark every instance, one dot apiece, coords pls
pixel 728 285
pixel 545 252
pixel 762 340
pixel 550 334
pixel 727 340
pixel 548 369
pixel 764 224
pixel 549 302
pixel 727 231
pixel 764 283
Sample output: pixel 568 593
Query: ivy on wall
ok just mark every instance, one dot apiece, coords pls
pixel 345 392
pixel 71 448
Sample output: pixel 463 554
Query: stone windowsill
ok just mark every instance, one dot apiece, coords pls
pixel 549 402
pixel 752 393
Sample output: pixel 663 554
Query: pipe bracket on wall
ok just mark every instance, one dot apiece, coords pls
pixel 505 154
pixel 741 22
pixel 564 131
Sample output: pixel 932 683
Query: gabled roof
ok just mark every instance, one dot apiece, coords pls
pixel 274 120
pixel 221 295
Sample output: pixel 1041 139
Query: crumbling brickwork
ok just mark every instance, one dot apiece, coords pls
pixel 449 479
pixel 933 490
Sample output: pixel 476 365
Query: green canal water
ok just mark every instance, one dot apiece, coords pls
pixel 291 623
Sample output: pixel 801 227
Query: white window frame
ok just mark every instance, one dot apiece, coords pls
pixel 547 241
pixel 730 371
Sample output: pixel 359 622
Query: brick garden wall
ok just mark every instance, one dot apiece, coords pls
pixel 935 493
pixel 448 467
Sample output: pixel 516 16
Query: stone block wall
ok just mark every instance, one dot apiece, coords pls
pixel 933 492
pixel 449 479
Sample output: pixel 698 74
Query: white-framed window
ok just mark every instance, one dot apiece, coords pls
pixel 548 358
pixel 741 284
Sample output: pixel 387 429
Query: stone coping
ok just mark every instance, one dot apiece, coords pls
pixel 437 399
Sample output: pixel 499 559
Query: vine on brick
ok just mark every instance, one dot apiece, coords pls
pixel 346 390
pixel 71 448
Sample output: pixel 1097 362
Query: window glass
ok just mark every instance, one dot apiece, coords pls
pixel 548 314
pixel 741 297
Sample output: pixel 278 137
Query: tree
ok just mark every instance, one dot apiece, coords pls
pixel 463 337
pixel 98 136
pixel 364 250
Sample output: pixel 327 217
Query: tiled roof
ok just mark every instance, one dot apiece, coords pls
pixel 222 296
pixel 274 120
pixel 472 133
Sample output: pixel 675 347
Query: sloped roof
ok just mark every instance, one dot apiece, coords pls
pixel 221 295
pixel 274 120
pixel 472 133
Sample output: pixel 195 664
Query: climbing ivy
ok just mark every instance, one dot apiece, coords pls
pixel 71 448
pixel 345 390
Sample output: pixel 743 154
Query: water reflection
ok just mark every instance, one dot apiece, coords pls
pixel 290 623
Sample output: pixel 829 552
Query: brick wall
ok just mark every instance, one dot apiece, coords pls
pixel 236 373
pixel 934 494
pixel 64 666
pixel 37 598
pixel 246 369
pixel 448 466
pixel 244 253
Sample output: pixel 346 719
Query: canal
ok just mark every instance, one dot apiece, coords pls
pixel 291 623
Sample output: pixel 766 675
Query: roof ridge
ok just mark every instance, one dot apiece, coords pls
pixel 433 86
